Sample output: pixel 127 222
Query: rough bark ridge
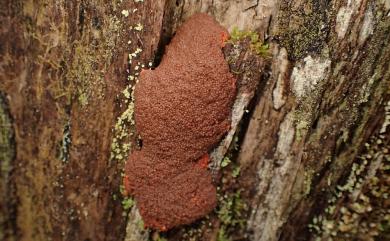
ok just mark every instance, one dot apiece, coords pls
pixel 64 64
pixel 63 67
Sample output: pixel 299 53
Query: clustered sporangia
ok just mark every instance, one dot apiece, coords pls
pixel 182 110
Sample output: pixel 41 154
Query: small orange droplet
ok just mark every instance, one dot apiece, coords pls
pixel 126 183
pixel 224 38
pixel 234 84
pixel 203 162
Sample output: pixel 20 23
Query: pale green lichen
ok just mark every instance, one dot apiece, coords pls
pixel 134 54
pixel 124 126
pixel 307 181
pixel 308 83
pixel 125 13
pixel 358 208
pixel 120 149
pixel 139 27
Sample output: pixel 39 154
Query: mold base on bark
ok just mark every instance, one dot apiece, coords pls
pixel 192 110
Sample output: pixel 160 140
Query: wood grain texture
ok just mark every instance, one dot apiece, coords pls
pixel 64 66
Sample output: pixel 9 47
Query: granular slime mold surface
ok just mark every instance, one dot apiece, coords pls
pixel 182 111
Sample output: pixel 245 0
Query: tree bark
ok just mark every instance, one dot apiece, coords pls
pixel 309 158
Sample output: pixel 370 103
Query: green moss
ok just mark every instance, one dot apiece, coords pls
pixel 86 82
pixel 225 162
pixel 238 35
pixel 81 73
pixel 260 48
pixel 83 98
pixel 236 171
pixel 231 214
pixel 127 203
pixel 231 210
pixel 222 236
pixel 302 28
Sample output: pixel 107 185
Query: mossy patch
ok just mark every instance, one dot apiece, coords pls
pixel 7 155
pixel 88 58
pixel 128 203
pixel 222 236
pixel 225 162
pixel 236 171
pixel 7 146
pixel 302 27
pixel 231 213
pixel 259 47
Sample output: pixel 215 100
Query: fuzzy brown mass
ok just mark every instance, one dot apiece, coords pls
pixel 182 110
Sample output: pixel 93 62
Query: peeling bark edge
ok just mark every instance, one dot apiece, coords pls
pixel 250 68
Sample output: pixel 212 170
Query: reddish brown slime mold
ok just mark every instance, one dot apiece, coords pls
pixel 182 109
